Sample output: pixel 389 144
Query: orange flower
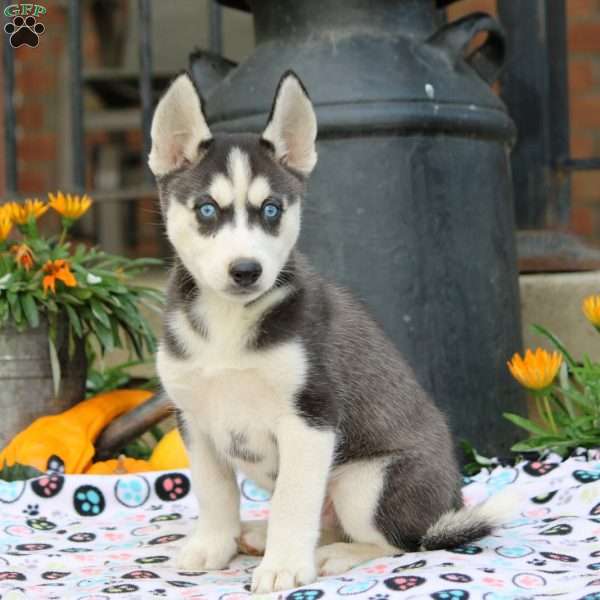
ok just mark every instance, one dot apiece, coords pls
pixel 58 269
pixel 70 207
pixel 5 222
pixel 21 212
pixel 591 309
pixel 537 370
pixel 23 255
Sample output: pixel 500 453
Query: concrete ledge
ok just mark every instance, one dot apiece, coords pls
pixel 554 301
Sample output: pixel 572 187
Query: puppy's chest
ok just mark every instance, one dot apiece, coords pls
pixel 251 448
pixel 239 409
pixel 234 393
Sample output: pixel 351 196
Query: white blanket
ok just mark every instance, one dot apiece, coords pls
pixel 102 537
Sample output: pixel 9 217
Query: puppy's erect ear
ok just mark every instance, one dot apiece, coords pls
pixel 292 126
pixel 178 128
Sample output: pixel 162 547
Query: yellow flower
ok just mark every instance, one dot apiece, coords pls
pixel 21 212
pixel 591 309
pixel 70 207
pixel 6 210
pixel 5 221
pixel 537 370
pixel 57 269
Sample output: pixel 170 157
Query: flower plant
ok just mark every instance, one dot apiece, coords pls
pixel 566 393
pixel 87 289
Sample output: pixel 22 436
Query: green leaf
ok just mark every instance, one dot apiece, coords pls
pixel 155 295
pixel 51 306
pixel 82 293
pixel 30 309
pixel 114 326
pixel 74 320
pixel 542 443
pixel 80 252
pixel 55 366
pixel 525 424
pixel 579 398
pixel 71 343
pixel 15 307
pixel 18 472
pixel 132 336
pixel 5 281
pixel 157 432
pixel 100 312
pixel 557 343
pixel 104 336
pixel 69 298
pixel 52 327
pixel 4 311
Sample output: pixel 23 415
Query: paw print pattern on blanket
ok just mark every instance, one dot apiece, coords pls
pixel 584 476
pixel 132 491
pixel 456 577
pixel 538 468
pixel 469 549
pixel 357 587
pixel 11 491
pixel 560 529
pixel 139 521
pixel 88 501
pixel 41 524
pixel 49 485
pixel 514 551
pixel 305 595
pixel 450 595
pixel 172 486
pixel 404 582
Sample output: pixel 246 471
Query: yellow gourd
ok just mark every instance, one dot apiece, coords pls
pixel 170 453
pixel 70 435
pixel 118 466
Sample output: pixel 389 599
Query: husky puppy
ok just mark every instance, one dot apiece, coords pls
pixel 282 375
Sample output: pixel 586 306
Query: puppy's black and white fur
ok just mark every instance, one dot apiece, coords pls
pixel 282 375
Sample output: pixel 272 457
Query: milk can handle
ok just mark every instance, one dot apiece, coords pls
pixel 488 58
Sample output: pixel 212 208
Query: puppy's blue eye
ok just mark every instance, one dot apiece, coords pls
pixel 207 210
pixel 271 211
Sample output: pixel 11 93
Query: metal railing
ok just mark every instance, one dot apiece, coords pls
pixel 534 88
pixel 76 90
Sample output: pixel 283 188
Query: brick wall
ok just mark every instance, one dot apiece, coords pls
pixel 584 65
pixel 42 87
pixel 35 105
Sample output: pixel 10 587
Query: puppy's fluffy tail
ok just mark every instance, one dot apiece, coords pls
pixel 468 524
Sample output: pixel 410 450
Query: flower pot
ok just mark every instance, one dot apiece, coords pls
pixel 26 383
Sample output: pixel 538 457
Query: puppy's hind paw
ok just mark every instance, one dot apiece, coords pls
pixel 206 552
pixel 254 538
pixel 338 558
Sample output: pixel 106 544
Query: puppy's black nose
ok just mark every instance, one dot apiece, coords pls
pixel 244 271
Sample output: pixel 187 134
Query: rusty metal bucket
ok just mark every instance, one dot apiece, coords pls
pixel 26 382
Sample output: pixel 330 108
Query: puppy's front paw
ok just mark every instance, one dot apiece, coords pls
pixel 282 574
pixel 206 552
